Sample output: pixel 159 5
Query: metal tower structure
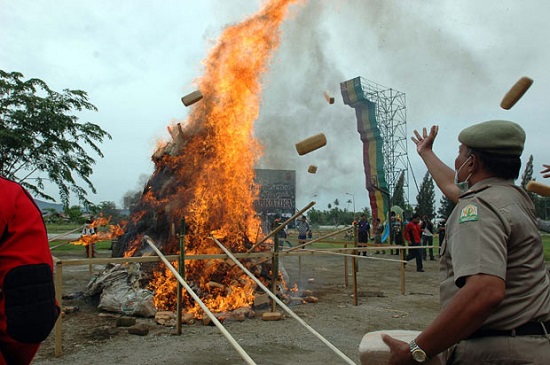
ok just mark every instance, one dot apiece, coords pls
pixel 392 120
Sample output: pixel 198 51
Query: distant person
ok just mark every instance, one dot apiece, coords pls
pixel 378 230
pixel 28 309
pixel 413 236
pixel 282 235
pixel 427 228
pixel 441 232
pixel 396 232
pixel 89 230
pixel 363 233
pixel 303 229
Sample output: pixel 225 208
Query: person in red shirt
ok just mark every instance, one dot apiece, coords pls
pixel 413 234
pixel 28 309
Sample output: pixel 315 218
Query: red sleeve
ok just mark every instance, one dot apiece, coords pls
pixel 23 239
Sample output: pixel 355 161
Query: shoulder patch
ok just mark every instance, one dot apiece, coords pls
pixel 468 214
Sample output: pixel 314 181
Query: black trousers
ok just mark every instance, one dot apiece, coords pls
pixel 415 253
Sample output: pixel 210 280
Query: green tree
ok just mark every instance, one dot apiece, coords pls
pixel 75 214
pixel 399 191
pixel 445 208
pixel 131 199
pixel 426 197
pixel 541 206
pixel 527 173
pixel 41 138
pixel 108 209
pixel 539 202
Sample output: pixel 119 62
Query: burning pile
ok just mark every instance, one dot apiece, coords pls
pixel 204 176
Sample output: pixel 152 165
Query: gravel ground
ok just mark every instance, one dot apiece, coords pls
pixel 91 337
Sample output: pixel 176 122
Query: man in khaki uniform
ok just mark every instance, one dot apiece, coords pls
pixel 495 288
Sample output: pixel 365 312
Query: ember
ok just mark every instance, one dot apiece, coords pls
pixel 204 176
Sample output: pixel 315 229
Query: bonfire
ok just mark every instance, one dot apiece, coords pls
pixel 203 183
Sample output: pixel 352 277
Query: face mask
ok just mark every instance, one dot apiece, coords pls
pixel 463 186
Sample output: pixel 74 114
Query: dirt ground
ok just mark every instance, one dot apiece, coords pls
pixel 91 337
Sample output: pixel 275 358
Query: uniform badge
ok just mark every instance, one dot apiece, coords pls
pixel 468 214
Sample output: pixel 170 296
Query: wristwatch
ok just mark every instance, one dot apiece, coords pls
pixel 417 353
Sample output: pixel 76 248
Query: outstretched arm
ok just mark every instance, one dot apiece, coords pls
pixel 441 173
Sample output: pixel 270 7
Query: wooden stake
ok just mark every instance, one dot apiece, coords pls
pixel 283 305
pixel 402 253
pixel 346 268
pixel 207 311
pixel 320 238
pixel 58 348
pixel 354 263
pixel 275 271
pixel 181 270
pixel 281 226
pixel 56 238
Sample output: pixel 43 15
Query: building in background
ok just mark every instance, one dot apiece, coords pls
pixel 277 195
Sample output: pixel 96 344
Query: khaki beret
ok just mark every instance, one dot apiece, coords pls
pixel 499 137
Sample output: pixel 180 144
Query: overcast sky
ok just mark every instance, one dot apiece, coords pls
pixel 454 60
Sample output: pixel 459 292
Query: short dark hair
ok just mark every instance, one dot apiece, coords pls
pixel 503 166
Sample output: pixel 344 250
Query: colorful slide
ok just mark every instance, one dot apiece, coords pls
pixel 373 160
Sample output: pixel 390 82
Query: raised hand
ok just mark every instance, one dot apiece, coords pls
pixel 425 141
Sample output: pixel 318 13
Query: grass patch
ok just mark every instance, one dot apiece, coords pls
pixel 101 245
pixel 105 245
pixel 62 228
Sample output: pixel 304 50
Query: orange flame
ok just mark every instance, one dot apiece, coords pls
pixel 88 239
pixel 205 174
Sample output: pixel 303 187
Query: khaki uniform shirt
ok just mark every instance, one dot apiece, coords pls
pixel 493 230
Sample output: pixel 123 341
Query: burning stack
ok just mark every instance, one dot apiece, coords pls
pixel 204 176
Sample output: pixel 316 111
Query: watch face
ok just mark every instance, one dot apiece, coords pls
pixel 419 356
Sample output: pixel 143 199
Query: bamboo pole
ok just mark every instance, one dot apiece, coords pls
pixel 300 269
pixel 58 333
pixel 275 271
pixel 354 266
pixel 120 260
pixel 281 226
pixel 207 311
pixel 320 238
pixel 117 260
pixel 283 305
pixel 346 268
pixel 322 251
pixel 55 238
pixel 402 253
pixel 181 270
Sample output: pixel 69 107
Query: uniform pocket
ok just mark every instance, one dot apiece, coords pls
pixel 30 307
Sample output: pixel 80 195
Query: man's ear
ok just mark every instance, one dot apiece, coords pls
pixel 473 163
